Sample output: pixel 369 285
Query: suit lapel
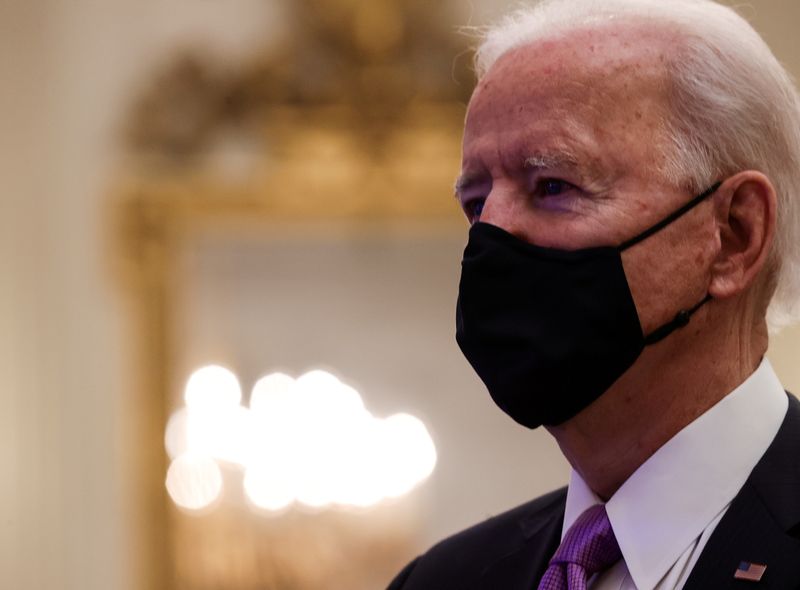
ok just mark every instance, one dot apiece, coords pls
pixel 523 565
pixel 747 532
pixel 761 524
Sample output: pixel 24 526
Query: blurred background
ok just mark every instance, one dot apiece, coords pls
pixel 226 219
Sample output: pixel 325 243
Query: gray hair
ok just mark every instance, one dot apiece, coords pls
pixel 734 107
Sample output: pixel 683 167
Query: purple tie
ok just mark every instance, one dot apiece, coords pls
pixel 588 547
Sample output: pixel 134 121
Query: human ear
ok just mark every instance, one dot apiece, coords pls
pixel 745 209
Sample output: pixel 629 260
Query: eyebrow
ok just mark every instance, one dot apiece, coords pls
pixel 549 161
pixel 553 160
pixel 466 181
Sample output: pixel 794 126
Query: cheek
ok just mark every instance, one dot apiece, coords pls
pixel 668 273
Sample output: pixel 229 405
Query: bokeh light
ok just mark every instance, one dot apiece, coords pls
pixel 407 452
pixel 271 392
pixel 307 441
pixel 194 482
pixel 224 435
pixel 269 489
pixel 176 436
pixel 212 388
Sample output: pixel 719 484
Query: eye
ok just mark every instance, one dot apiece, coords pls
pixel 552 187
pixel 473 209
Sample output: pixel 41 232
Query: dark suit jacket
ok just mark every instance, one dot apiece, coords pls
pixel 511 551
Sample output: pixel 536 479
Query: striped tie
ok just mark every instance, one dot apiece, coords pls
pixel 588 547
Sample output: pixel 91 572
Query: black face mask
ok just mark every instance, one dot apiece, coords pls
pixel 549 331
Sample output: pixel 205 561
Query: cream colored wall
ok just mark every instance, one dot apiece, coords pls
pixel 63 508
pixel 67 69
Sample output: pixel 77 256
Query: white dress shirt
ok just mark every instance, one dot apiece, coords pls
pixel 665 512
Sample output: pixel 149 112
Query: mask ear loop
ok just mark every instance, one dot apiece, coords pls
pixel 681 319
pixel 669 218
pixel 683 316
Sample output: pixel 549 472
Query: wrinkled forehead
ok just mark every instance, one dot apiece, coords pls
pixel 601 71
pixel 600 96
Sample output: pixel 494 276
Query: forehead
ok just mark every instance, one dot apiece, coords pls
pixel 587 90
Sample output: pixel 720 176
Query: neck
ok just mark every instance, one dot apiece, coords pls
pixel 670 385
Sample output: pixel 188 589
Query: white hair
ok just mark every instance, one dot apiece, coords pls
pixel 733 106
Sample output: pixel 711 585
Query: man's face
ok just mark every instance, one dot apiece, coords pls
pixel 562 146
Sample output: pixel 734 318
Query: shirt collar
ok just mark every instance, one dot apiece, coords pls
pixel 673 496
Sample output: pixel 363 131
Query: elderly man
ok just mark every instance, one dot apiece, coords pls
pixel 631 173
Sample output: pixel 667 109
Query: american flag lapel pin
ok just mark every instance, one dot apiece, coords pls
pixel 750 571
